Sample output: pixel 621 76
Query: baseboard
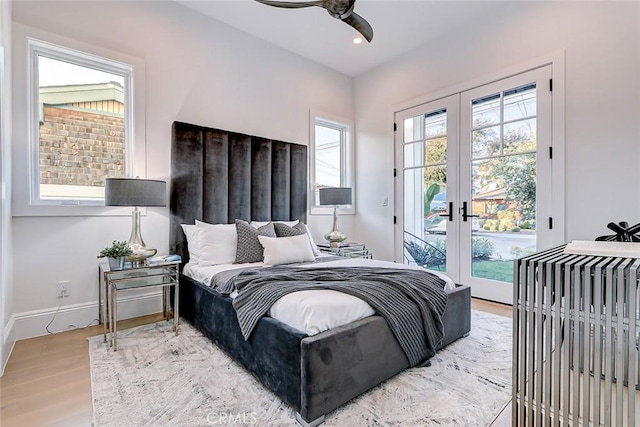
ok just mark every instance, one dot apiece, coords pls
pixel 32 324
pixel 8 343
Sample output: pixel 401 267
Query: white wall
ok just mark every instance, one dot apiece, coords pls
pixel 6 289
pixel 602 46
pixel 197 70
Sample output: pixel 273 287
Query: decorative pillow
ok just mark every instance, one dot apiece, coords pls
pixel 283 230
pixel 217 243
pixel 249 247
pixel 258 224
pixel 191 233
pixel 286 250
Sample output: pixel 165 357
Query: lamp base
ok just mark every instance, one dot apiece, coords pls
pixel 140 251
pixel 334 237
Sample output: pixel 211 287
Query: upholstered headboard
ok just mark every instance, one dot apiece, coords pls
pixel 219 176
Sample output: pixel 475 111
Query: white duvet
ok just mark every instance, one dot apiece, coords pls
pixel 313 311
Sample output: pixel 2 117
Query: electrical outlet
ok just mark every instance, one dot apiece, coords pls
pixel 62 289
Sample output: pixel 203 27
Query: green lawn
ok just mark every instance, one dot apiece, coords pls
pixel 495 270
pixel 492 269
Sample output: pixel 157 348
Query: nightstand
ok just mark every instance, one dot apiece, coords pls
pixel 161 272
pixel 346 250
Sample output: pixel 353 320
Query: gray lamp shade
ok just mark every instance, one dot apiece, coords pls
pixel 335 196
pixel 135 192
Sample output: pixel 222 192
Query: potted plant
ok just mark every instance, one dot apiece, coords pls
pixel 117 253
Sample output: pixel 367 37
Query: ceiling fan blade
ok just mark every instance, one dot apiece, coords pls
pixel 292 4
pixel 360 24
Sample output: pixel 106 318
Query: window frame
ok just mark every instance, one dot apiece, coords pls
pixel 37 48
pixel 347 160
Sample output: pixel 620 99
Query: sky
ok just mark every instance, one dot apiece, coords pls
pixel 53 72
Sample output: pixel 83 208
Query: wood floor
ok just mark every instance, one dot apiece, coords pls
pixel 47 380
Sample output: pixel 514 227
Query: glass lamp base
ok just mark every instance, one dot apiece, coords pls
pixel 140 251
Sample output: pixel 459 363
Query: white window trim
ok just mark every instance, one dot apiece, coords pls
pixel 38 48
pixel 22 127
pixel 348 162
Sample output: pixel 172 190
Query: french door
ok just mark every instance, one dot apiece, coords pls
pixel 476 181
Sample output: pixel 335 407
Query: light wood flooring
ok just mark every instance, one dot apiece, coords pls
pixel 47 380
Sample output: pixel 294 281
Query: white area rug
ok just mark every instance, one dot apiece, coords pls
pixel 159 379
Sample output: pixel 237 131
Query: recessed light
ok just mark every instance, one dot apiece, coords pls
pixel 357 40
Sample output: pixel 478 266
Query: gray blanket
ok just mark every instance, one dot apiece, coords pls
pixel 411 301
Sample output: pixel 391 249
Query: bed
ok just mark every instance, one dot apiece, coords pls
pixel 219 176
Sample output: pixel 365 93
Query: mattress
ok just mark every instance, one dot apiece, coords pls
pixel 313 311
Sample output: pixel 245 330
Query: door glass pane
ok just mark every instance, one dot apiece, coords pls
pixel 435 124
pixel 486 110
pixel 413 154
pixel 520 136
pixel 520 103
pixel 425 196
pixel 486 142
pixel 425 230
pixel 503 175
pixel 412 130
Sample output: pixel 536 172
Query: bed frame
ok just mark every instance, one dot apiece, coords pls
pixel 218 176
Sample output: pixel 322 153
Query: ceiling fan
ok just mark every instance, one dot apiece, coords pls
pixel 339 9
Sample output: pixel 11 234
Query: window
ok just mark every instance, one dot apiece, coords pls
pixel 81 124
pixel 331 158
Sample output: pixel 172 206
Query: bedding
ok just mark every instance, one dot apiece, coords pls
pixel 318 310
pixel 411 302
pixel 310 311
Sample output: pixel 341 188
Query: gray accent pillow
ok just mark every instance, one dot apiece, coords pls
pixel 249 248
pixel 283 230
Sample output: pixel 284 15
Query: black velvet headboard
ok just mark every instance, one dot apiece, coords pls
pixel 219 176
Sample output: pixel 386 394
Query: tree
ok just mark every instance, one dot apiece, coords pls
pixel 435 152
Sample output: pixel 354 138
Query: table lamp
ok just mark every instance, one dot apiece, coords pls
pixel 335 196
pixel 136 192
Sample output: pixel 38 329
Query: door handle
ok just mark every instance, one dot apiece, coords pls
pixel 449 215
pixel 464 213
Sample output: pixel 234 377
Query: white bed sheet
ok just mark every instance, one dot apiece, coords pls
pixel 313 311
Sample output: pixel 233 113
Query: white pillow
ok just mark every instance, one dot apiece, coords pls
pixel 314 247
pixel 217 243
pixel 286 250
pixel 191 233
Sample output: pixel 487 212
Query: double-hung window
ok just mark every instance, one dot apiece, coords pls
pixel 80 124
pixel 331 158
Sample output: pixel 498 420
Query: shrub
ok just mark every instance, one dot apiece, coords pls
pixel 482 248
pixel 502 227
pixel 525 225
pixel 515 229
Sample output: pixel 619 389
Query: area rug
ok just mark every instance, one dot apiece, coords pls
pixel 159 379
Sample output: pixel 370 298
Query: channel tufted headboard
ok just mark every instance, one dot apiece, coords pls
pixel 219 176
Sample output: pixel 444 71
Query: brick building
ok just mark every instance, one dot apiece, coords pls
pixel 82 138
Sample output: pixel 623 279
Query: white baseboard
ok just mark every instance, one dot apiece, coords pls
pixel 8 343
pixel 67 317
